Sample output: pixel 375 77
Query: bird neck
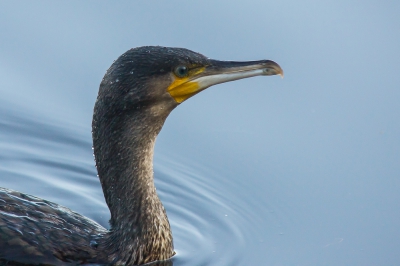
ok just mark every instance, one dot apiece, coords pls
pixel 123 147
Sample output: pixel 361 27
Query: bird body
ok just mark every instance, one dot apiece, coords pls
pixel 136 95
pixel 36 230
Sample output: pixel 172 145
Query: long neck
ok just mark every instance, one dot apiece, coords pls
pixel 123 147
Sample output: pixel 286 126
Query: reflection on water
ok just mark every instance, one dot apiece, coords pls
pixel 52 161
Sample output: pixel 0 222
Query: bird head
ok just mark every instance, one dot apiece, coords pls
pixel 162 77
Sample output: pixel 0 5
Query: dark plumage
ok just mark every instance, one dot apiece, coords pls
pixel 136 95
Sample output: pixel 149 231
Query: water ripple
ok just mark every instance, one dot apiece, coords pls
pixel 201 213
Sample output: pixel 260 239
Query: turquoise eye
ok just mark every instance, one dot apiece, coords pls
pixel 181 71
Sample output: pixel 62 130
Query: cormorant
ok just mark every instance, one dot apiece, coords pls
pixel 136 95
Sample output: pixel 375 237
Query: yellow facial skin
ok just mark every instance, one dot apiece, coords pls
pixel 183 88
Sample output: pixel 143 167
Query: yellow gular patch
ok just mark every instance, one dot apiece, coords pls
pixel 182 88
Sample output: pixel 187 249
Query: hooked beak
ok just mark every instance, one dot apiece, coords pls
pixel 219 72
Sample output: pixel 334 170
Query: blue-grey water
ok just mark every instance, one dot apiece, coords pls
pixel 263 171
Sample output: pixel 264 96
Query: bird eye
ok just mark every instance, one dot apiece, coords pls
pixel 181 71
